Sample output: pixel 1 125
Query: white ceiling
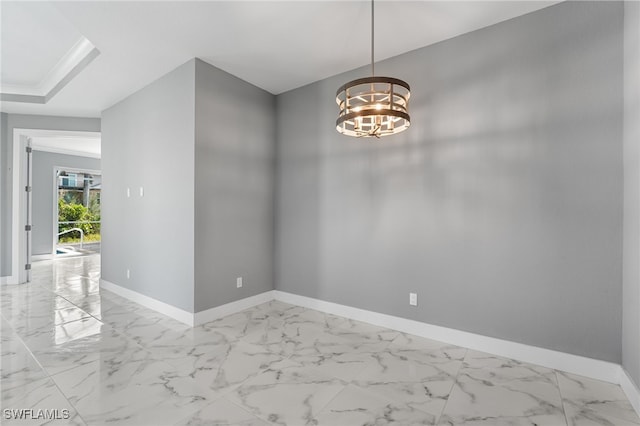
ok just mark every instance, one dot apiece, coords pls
pixel 276 45
pixel 40 52
pixel 45 37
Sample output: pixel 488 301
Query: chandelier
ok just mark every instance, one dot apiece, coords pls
pixel 373 106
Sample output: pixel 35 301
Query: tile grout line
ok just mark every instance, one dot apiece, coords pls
pixel 455 381
pixel 564 410
pixel 49 376
pixel 614 415
pixel 324 407
pixel 243 408
pixel 299 365
pixel 37 361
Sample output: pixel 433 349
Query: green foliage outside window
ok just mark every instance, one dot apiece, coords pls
pixel 73 212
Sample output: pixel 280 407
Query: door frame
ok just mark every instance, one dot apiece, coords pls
pixel 56 169
pixel 19 254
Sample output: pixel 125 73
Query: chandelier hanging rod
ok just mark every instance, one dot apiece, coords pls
pixel 373 67
pixel 373 106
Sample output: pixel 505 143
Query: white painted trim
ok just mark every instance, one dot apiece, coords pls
pixel 185 317
pixel 55 226
pixel 4 280
pixel 76 170
pixel 40 147
pixel 597 369
pixel 630 389
pixel 149 302
pixel 17 204
pixel 39 257
pixel 55 213
pixel 212 314
pixel 15 210
pixel 82 50
pixel 44 133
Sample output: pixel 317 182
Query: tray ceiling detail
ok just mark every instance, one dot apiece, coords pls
pixel 41 52
pixel 51 48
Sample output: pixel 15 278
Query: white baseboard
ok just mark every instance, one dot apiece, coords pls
pixel 593 368
pixel 630 389
pixel 233 307
pixel 39 257
pixel 9 279
pixel 588 367
pixel 184 316
pixel 149 302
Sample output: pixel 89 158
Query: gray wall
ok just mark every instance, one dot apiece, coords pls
pixel 43 195
pixel 234 187
pixel 19 121
pixel 631 260
pixel 148 140
pixel 501 206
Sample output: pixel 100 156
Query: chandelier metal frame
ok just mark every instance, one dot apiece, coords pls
pixel 373 106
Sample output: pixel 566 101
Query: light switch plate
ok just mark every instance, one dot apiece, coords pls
pixel 413 299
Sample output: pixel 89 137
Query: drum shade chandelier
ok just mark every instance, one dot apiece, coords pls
pixel 373 106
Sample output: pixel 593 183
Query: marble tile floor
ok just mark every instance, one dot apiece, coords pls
pixel 68 345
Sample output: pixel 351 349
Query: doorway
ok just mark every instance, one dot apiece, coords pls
pixel 70 143
pixel 77 200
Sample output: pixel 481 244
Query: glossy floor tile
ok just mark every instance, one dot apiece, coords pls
pixel 85 356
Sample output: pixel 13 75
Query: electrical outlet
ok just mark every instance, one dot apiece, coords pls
pixel 128 274
pixel 238 282
pixel 413 299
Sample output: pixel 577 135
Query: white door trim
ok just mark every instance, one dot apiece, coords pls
pixel 54 236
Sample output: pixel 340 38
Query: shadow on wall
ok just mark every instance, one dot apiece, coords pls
pixel 502 200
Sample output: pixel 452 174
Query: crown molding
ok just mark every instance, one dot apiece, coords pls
pixel 66 69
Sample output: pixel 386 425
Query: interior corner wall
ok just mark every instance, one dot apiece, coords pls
pixel 43 182
pixel 23 121
pixel 501 206
pixel 234 188
pixel 631 251
pixel 148 142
